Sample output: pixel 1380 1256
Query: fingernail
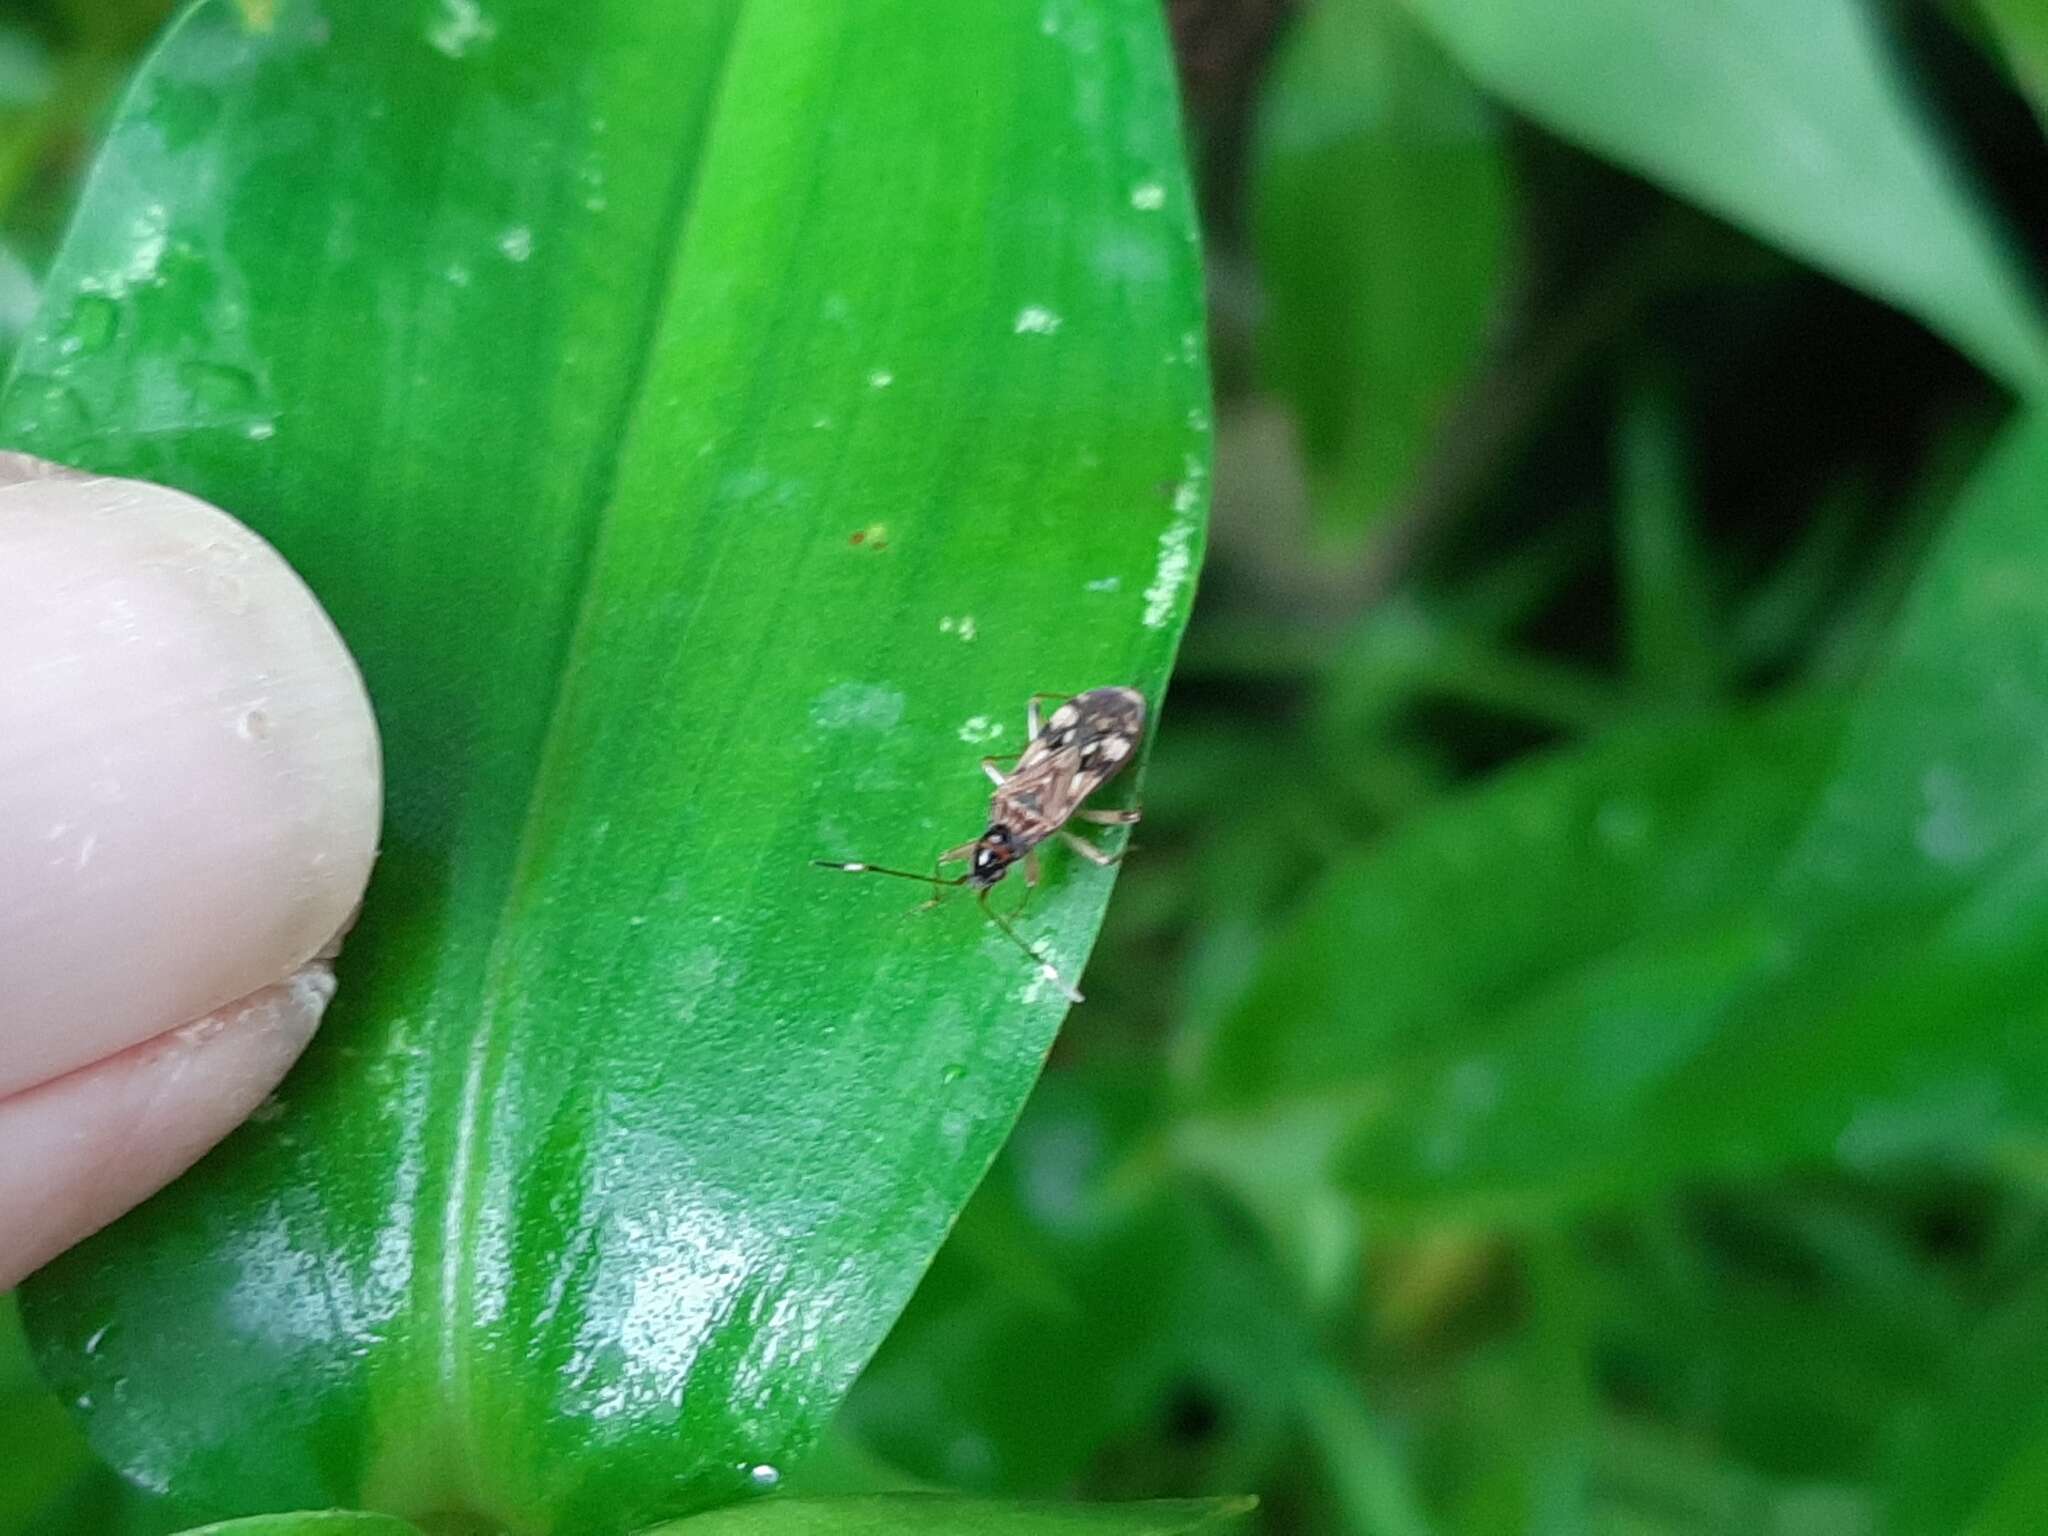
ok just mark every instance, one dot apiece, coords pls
pixel 189 776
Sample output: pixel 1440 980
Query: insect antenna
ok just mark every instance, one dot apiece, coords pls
pixel 857 868
pixel 1045 967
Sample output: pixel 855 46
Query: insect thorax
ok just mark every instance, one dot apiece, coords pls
pixel 1022 818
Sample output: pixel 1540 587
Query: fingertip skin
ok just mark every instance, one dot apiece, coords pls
pixel 190 781
pixel 95 1142
pixel 190 791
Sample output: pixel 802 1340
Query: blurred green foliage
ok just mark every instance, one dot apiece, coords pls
pixel 61 62
pixel 1569 1056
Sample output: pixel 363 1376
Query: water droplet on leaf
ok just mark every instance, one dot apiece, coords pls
pixel 94 321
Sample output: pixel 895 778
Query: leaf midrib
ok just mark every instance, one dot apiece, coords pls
pixel 455 1290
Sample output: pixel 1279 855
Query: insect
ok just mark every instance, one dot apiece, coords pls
pixel 1081 746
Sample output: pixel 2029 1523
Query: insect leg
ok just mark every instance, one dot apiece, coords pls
pixel 940 886
pixel 996 775
pixel 1030 882
pixel 1089 851
pixel 1109 818
pixel 1031 720
pixel 1045 967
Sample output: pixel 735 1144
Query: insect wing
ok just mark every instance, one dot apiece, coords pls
pixel 1108 724
pixel 1086 742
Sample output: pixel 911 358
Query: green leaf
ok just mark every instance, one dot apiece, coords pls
pixel 1968 1455
pixel 1813 1309
pixel 2022 30
pixel 1664 579
pixel 1080 1305
pixel 1369 1482
pixel 1912 914
pixel 1418 948
pixel 50 1483
pixel 2014 1505
pixel 1378 1021
pixel 1382 214
pixel 707 424
pixel 1791 121
pixel 942 1515
pixel 46 1454
pixel 1730 997
pixel 1937 818
pixel 1878 1002
pixel 317 1522
pixel 1944 781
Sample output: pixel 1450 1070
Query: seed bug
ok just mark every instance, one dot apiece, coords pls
pixel 1081 746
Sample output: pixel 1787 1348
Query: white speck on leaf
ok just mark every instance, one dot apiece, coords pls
pixel 516 243
pixel 1125 255
pixel 1948 832
pixel 150 233
pixel 1148 197
pixel 1106 584
pixel 1078 27
pixel 1036 320
pixel 691 978
pixel 962 626
pixel 980 729
pixel 460 28
pixel 1176 562
pixel 1040 984
pixel 881 378
pixel 857 706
